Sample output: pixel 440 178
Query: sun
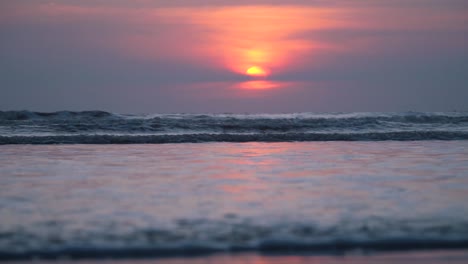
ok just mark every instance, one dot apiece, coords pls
pixel 256 71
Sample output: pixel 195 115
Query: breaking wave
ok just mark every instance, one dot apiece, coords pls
pixel 199 138
pixel 98 127
pixel 202 236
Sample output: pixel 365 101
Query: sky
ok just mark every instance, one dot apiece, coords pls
pixel 190 56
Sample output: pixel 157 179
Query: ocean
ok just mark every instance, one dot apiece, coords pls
pixel 99 127
pixel 234 188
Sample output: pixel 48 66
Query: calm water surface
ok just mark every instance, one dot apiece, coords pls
pixel 225 196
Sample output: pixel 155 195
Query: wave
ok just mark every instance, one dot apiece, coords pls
pixel 25 127
pixel 276 247
pixel 201 138
pixel 411 117
pixel 28 115
pixel 193 237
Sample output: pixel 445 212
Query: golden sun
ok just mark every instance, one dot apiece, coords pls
pixel 256 71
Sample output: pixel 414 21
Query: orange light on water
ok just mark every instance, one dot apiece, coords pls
pixel 259 85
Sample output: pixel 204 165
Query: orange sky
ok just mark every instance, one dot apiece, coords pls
pixel 384 48
pixel 255 36
pixel 236 38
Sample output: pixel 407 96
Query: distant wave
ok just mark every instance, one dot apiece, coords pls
pixel 27 115
pixel 98 127
pixel 194 237
pixel 200 138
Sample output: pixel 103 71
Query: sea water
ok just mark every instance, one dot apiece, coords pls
pixel 127 200
pixel 176 198
pixel 98 127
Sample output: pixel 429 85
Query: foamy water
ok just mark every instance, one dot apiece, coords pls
pixel 125 200
pixel 98 127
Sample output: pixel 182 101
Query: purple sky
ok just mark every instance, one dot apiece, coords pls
pixel 142 56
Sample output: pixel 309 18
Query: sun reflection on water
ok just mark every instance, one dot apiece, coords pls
pixel 259 85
